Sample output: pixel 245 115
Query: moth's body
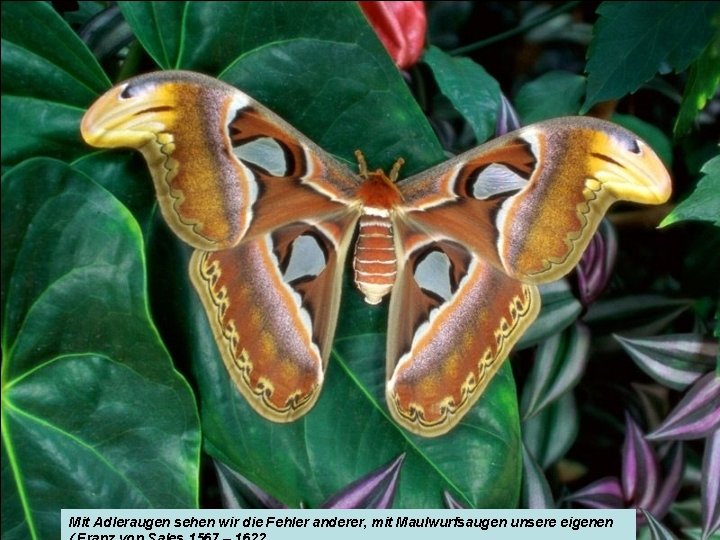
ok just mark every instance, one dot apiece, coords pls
pixel 460 248
pixel 375 259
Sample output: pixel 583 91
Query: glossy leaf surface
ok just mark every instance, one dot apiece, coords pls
pixel 554 94
pixel 632 39
pixel 44 59
pixel 88 388
pixel 471 90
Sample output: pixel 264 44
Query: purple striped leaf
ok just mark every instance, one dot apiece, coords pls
pixel 658 531
pixel 639 467
pixel 676 360
pixel 637 315
pixel 605 493
pixel 550 434
pixel 236 491
pixel 375 490
pixel 671 483
pixel 642 487
pixel 596 265
pixel 536 491
pixel 710 487
pixel 559 364
pixel 697 414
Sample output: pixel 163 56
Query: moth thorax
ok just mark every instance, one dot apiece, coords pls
pixel 375 263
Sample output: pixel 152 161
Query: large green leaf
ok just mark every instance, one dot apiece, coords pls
pixel 216 34
pixel 158 26
pixel 36 127
pixel 319 66
pixel 43 58
pixel 93 413
pixel 121 173
pixel 335 107
pixel 48 77
pixel 632 40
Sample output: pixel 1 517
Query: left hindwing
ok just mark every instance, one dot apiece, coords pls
pixel 272 303
pixel 473 238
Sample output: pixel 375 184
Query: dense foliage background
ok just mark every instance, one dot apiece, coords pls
pixel 113 394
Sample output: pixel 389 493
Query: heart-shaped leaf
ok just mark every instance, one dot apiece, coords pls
pixel 93 413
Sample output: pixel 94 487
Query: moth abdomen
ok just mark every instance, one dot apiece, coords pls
pixel 375 263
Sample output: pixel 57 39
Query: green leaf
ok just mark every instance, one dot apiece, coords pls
pixel 93 413
pixel 125 175
pixel 43 58
pixel 308 74
pixel 471 90
pixel 208 37
pixel 48 78
pixel 702 83
pixel 632 41
pixel 335 108
pixel 554 94
pixel 703 204
pixel 32 127
pixel 157 26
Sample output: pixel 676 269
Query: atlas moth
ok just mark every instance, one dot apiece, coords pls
pixel 460 248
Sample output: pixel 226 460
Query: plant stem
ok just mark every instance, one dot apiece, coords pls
pixel 517 30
